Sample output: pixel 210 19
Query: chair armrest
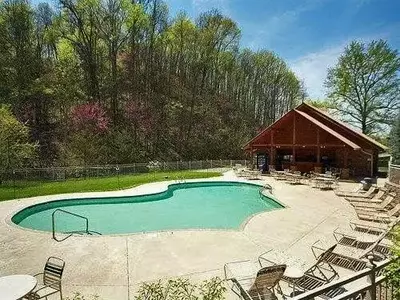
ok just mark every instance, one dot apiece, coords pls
pixel 240 290
pixel 315 249
pixel 232 263
pixel 337 234
pixel 235 287
pixel 54 285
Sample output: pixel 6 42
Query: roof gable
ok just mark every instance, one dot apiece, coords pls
pixel 335 123
pixel 319 118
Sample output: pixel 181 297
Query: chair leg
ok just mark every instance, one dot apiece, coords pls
pixel 61 294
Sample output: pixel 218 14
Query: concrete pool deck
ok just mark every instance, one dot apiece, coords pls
pixel 113 266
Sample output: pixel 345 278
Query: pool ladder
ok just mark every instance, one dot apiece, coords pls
pixel 70 233
pixel 263 188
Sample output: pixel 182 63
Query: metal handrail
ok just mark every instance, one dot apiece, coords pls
pixel 348 279
pixel 72 214
pixel 265 187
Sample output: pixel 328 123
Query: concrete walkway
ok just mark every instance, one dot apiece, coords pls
pixel 112 266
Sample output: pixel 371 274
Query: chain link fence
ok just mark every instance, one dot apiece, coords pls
pixel 86 172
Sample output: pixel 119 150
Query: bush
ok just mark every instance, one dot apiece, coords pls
pixel 393 270
pixel 182 289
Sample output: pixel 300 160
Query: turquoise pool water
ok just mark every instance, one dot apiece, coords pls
pixel 218 205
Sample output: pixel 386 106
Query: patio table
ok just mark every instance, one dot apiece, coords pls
pixel 15 287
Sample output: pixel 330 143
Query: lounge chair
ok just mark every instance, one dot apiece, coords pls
pixel 382 217
pixel 314 276
pixel 368 227
pixel 376 198
pixel 350 257
pixel 260 287
pixel 368 194
pixel 356 192
pixel 363 240
pixel 374 207
pixel 50 280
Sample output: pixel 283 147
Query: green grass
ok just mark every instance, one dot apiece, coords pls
pixel 33 188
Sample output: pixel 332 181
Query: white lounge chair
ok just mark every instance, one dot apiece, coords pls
pixel 375 198
pixel 371 208
pixel 350 257
pixel 381 217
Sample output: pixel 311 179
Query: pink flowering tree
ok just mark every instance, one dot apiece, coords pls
pixel 88 137
pixel 139 117
pixel 90 117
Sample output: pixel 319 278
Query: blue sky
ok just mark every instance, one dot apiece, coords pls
pixel 308 34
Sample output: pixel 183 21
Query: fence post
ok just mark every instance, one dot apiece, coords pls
pixel 210 164
pixel 371 295
pixel 13 172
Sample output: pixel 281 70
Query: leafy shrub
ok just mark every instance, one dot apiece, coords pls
pixel 182 289
pixel 393 270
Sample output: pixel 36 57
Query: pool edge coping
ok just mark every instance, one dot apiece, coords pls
pixel 8 219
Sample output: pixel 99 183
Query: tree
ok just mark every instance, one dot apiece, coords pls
pixel 364 86
pixel 15 148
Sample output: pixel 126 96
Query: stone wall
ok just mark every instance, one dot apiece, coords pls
pixel 393 183
pixel 394 174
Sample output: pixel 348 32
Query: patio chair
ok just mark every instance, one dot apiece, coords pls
pixel 376 198
pixel 368 194
pixel 351 257
pixel 374 207
pixel 356 191
pixel 316 275
pixel 262 287
pixel 368 227
pixel 50 282
pixel 382 217
pixel 363 240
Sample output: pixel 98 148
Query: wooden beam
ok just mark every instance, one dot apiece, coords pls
pixel 272 156
pixel 318 148
pixel 294 138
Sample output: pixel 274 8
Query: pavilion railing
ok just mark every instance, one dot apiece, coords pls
pixel 371 284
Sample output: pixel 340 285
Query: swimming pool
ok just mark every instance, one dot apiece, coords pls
pixel 206 205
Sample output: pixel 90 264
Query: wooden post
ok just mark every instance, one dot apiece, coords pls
pixel 294 138
pixel 272 151
pixel 345 159
pixel 318 148
pixel 371 294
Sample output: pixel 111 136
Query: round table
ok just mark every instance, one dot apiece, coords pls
pixel 293 273
pixel 14 287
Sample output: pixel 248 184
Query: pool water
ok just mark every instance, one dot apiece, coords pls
pixel 208 205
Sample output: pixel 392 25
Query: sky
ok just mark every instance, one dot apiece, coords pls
pixel 308 34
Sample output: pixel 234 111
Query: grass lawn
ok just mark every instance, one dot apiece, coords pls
pixel 33 188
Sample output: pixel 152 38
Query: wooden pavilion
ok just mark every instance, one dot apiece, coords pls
pixel 307 139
